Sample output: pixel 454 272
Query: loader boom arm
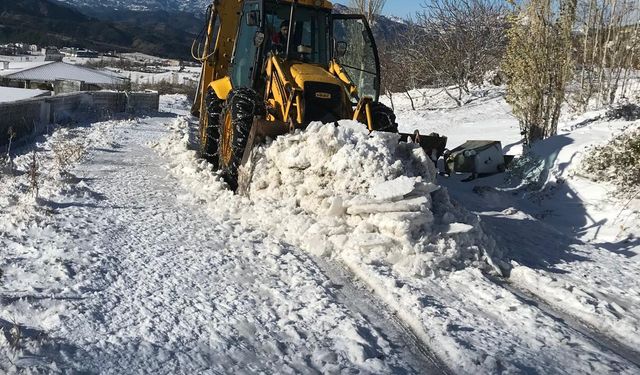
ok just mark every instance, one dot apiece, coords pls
pixel 217 50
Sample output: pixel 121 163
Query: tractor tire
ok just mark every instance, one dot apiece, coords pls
pixel 209 134
pixel 384 120
pixel 236 121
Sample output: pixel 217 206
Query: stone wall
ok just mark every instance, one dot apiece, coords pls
pixel 29 117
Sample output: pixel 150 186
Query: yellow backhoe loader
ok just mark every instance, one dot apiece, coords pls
pixel 272 66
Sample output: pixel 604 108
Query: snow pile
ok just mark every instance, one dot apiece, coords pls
pixel 365 193
pixel 340 192
pixel 368 194
pixel 340 172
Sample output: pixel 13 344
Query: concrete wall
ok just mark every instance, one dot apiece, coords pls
pixel 142 101
pixel 62 87
pixel 20 118
pixel 29 117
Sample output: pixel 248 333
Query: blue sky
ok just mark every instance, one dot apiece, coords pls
pixel 401 8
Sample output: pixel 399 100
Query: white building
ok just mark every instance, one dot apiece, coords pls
pixel 59 77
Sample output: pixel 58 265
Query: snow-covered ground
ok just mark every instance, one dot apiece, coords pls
pixel 486 117
pixel 115 268
pixel 573 243
pixel 347 254
pixel 169 74
pixel 10 94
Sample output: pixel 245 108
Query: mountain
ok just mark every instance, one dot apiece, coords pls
pixel 385 28
pixel 45 22
pixel 188 6
pixel 164 28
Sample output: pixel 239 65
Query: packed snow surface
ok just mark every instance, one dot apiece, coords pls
pixel 134 256
pixel 341 193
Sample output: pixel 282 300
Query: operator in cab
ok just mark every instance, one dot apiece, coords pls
pixel 279 39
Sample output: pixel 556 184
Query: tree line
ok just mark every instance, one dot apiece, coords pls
pixel 547 52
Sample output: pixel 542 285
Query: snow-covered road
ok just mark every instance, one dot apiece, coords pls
pixel 150 282
pixel 346 257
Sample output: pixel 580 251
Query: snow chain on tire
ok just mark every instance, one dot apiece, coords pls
pixel 242 105
pixel 209 141
pixel 384 119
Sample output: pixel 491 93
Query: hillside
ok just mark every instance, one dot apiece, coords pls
pixel 164 28
pixel 191 6
pixel 190 11
pixel 45 22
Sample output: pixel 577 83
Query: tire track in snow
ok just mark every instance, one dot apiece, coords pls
pixel 598 338
pixel 355 294
pixel 530 251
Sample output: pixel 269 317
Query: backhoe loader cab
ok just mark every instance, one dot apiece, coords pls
pixel 274 66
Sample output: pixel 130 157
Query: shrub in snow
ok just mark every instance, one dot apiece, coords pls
pixel 627 111
pixel 617 161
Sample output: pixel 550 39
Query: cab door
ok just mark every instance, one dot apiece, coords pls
pixel 359 58
pixel 246 54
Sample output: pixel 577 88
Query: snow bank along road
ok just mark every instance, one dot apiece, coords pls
pixel 135 258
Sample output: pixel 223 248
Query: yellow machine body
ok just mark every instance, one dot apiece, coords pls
pixel 285 79
pixel 296 87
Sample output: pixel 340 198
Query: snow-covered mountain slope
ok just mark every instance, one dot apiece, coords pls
pixel 191 6
pixel 385 29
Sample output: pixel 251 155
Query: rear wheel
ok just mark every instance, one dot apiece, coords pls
pixel 235 124
pixel 384 120
pixel 209 134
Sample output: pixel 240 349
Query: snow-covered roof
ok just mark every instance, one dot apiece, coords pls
pixel 51 71
pixel 19 66
pixel 10 94
pixel 22 58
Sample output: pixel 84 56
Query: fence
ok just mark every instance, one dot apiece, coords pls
pixel 29 117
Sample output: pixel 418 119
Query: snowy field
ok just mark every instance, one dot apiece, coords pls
pixel 169 74
pixel 347 254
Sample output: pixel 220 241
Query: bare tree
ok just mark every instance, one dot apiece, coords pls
pixel 609 42
pixel 402 62
pixel 539 64
pixel 370 8
pixel 462 41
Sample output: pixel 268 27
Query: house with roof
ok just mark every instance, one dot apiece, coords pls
pixel 59 77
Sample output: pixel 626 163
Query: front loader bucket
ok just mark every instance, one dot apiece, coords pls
pixel 433 144
pixel 260 131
